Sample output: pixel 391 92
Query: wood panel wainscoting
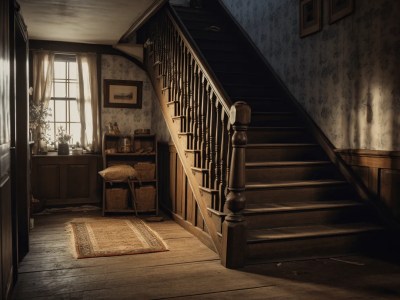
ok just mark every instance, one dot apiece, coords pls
pixel 66 180
pixel 380 172
pixel 176 196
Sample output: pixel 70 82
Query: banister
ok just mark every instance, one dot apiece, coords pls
pixel 208 131
pixel 200 60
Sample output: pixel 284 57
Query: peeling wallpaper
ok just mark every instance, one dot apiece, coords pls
pixel 347 77
pixel 117 67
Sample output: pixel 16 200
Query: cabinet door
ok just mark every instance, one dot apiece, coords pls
pixel 77 183
pixel 48 181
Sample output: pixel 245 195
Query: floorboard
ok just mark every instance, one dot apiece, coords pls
pixel 189 270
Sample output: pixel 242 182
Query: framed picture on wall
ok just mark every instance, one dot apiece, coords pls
pixel 122 93
pixel 339 9
pixel 310 17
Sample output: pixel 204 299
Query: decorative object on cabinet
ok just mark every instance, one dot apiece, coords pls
pixel 310 17
pixel 138 189
pixel 122 93
pixel 339 9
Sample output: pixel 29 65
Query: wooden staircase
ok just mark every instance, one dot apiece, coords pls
pixel 298 204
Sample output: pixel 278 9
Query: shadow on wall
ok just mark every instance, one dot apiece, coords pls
pixel 346 76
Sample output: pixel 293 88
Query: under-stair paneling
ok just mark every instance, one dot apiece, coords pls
pixel 176 194
pixel 380 173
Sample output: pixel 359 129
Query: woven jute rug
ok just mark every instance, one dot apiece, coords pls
pixel 114 236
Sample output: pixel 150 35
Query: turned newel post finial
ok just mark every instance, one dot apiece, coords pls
pixel 234 227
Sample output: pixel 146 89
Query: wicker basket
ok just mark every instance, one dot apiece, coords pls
pixel 145 170
pixel 116 198
pixel 145 198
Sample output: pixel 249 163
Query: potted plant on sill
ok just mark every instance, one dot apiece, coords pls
pixel 63 138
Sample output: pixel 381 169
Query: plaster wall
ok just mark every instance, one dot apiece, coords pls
pixel 346 76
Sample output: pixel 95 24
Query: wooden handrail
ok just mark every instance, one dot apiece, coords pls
pixel 190 93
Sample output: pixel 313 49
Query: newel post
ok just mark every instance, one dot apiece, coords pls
pixel 234 226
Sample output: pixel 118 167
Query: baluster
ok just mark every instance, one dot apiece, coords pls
pixel 217 153
pixel 208 129
pixel 198 90
pixel 203 121
pixel 223 158
pixel 211 165
pixel 234 227
pixel 194 94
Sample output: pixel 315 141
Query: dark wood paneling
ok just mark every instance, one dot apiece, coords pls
pixel 6 233
pixel 390 189
pixel 65 180
pixel 380 173
pixel 48 181
pixel 181 203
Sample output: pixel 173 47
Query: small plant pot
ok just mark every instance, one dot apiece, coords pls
pixel 63 149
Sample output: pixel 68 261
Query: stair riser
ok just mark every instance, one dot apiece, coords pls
pixel 267 105
pixel 274 120
pixel 173 109
pixel 244 92
pixel 234 67
pixel 290 173
pixel 186 141
pixel 306 193
pixel 310 217
pixel 278 136
pixel 245 80
pixel 212 36
pixel 284 154
pixel 309 248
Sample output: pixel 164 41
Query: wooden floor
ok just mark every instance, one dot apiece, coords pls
pixel 189 270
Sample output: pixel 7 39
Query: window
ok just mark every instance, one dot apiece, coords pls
pixel 63 102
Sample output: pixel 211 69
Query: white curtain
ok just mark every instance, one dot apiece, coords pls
pixel 88 101
pixel 43 69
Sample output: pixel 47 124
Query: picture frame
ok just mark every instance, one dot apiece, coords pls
pixel 310 17
pixel 122 93
pixel 338 9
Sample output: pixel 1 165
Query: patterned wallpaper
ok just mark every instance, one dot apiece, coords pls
pixel 347 76
pixel 117 67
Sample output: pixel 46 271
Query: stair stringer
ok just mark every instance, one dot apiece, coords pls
pixel 362 191
pixel 194 184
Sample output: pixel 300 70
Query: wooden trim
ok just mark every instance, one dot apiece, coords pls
pixel 200 59
pixel 196 231
pixel 81 47
pixel 157 5
pixel 371 158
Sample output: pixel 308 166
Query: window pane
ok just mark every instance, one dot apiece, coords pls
pixel 60 111
pixel 51 133
pixel 73 90
pixel 59 89
pixel 50 111
pixel 59 69
pixel 73 70
pixel 73 112
pixel 75 132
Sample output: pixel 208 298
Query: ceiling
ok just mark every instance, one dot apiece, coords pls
pixel 82 21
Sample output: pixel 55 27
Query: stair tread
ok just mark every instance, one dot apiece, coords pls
pixel 276 128
pixel 309 231
pixel 287 163
pixel 272 113
pixel 294 206
pixel 260 145
pixel 319 182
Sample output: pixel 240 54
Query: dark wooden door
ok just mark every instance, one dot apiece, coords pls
pixel 6 248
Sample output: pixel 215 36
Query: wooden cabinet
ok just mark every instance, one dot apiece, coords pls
pixel 65 180
pixel 140 152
